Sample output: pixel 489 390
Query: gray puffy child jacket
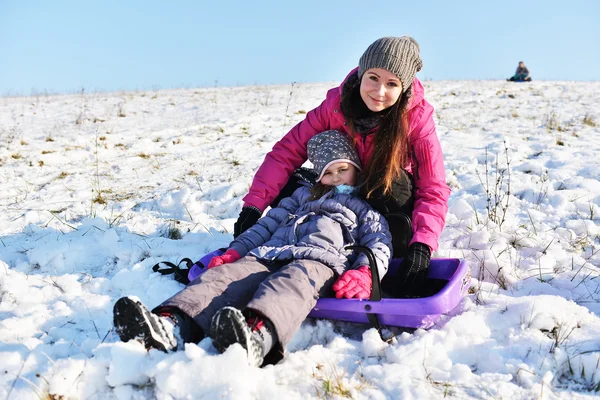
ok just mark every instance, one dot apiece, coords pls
pixel 303 228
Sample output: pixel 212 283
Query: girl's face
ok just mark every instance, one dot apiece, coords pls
pixel 340 173
pixel 380 89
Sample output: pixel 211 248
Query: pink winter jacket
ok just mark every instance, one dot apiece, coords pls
pixel 426 164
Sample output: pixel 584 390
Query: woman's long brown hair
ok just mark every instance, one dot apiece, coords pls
pixel 390 150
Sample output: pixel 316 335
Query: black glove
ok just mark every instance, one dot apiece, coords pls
pixel 412 272
pixel 248 217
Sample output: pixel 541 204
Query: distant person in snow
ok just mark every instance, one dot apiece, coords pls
pixel 521 74
pixel 381 106
pixel 263 287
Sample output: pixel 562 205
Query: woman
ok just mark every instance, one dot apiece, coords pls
pixel 381 106
pixel 271 276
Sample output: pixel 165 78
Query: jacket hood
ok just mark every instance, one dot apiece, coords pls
pixel 417 95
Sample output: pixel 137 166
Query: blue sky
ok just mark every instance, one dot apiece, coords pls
pixel 63 46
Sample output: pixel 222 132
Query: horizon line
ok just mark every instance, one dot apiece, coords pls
pixel 9 93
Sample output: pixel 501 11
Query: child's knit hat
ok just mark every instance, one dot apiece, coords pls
pixel 330 147
pixel 399 55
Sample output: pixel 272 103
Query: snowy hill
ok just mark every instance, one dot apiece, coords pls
pixel 97 188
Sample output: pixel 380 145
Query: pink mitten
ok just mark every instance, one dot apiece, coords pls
pixel 355 283
pixel 228 257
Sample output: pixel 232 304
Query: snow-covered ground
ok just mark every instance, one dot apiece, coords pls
pixel 95 188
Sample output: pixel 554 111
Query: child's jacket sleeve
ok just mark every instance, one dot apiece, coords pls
pixel 264 229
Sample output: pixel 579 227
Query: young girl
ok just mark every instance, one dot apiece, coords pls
pixel 262 288
pixel 381 106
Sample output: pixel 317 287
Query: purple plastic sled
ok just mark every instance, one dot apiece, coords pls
pixel 450 275
pixel 409 313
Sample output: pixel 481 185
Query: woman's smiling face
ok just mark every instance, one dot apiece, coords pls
pixel 380 89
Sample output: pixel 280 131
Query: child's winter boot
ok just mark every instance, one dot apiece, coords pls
pixel 133 320
pixel 256 334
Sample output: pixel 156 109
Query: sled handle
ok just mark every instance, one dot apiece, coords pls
pixel 375 283
pixel 181 274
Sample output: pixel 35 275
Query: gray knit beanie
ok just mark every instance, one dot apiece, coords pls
pixel 399 55
pixel 330 147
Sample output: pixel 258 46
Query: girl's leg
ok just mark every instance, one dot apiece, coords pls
pixel 272 317
pixel 226 285
pixel 287 296
pixel 186 316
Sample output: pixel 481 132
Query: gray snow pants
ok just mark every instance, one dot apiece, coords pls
pixel 284 293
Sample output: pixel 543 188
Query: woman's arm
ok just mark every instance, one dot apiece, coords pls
pixel 431 190
pixel 287 155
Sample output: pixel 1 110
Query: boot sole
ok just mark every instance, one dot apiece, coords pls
pixel 133 321
pixel 228 327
